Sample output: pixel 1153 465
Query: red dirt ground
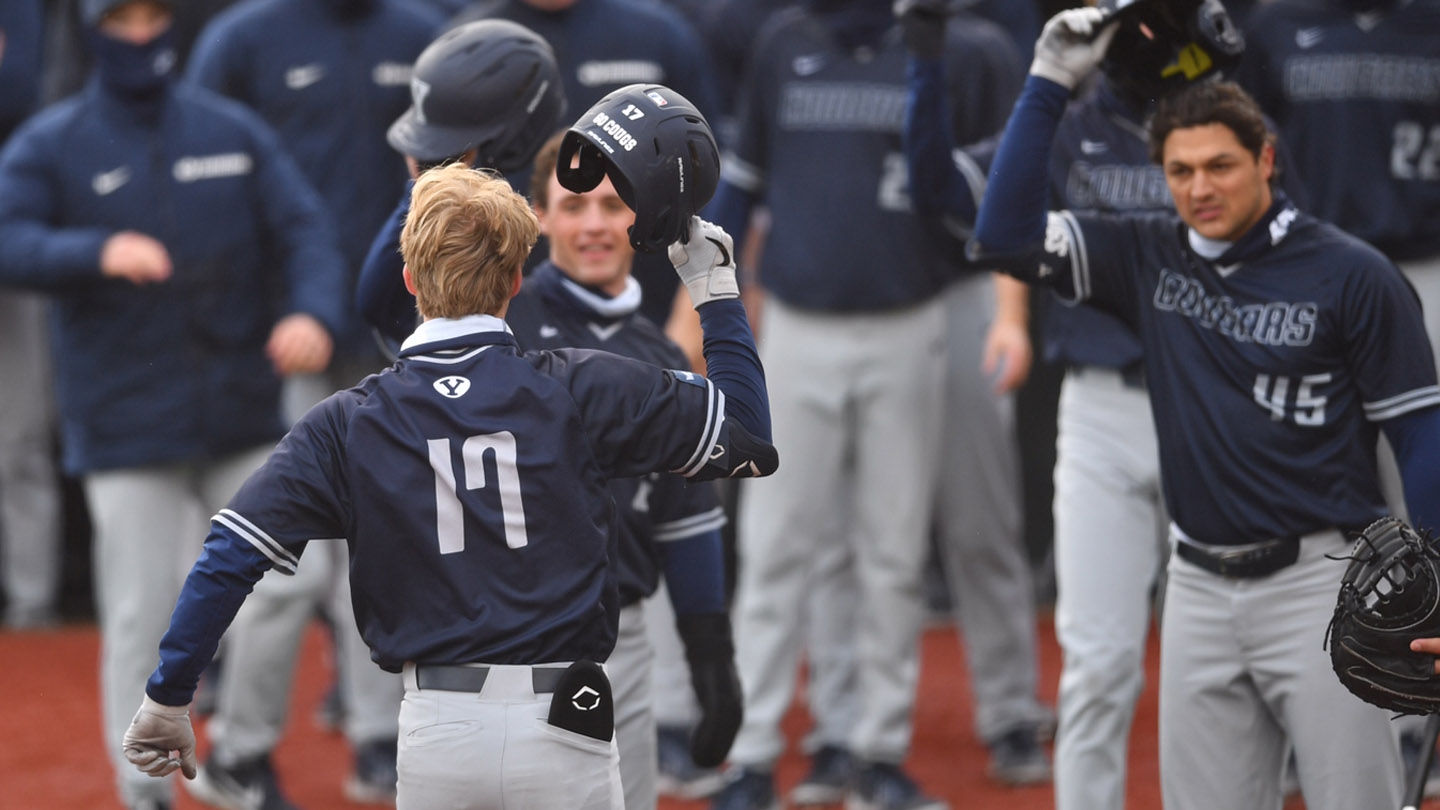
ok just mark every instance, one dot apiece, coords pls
pixel 52 758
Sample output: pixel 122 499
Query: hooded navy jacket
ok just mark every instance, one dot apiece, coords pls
pixel 175 370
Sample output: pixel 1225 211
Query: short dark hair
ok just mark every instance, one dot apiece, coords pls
pixel 1205 103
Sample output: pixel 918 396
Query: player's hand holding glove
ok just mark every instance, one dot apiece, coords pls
pixel 706 263
pixel 1071 45
pixel 156 732
pixel 922 26
pixel 1389 596
pixel 711 655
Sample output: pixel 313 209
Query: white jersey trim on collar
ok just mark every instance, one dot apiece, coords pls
pixel 438 329
pixel 1211 249
pixel 618 307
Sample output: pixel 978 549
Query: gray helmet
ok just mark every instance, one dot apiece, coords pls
pixel 1164 44
pixel 490 85
pixel 659 153
pixel 92 10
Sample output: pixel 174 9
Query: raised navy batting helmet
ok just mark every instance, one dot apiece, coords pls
pixel 659 153
pixel 1163 44
pixel 490 85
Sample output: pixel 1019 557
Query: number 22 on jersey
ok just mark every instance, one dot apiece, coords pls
pixel 450 513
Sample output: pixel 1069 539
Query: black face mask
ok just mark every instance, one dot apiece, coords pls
pixel 134 71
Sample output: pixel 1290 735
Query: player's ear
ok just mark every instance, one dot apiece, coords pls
pixel 540 217
pixel 1267 161
pixel 409 282
pixel 519 278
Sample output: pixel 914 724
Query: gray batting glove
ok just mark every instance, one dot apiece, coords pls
pixel 706 263
pixel 155 733
pixel 1072 45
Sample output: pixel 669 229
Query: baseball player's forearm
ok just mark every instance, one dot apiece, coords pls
pixel 695 572
pixel 1415 437
pixel 1012 218
pixel 936 185
pixel 224 574
pixel 733 364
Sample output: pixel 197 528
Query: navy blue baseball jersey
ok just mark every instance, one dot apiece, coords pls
pixel 815 115
pixel 1100 161
pixel 1269 367
pixel 551 312
pixel 1358 95
pixel 470 482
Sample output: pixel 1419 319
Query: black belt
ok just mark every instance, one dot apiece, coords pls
pixel 456 678
pixel 1248 562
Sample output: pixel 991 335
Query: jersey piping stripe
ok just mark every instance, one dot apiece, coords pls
pixel 1402 403
pixel 691 526
pixel 431 358
pixel 974 176
pixel 1080 258
pixel 283 560
pixel 740 174
pixel 714 418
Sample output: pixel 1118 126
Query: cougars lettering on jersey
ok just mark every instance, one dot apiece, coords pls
pixel 1314 338
pixel 1358 94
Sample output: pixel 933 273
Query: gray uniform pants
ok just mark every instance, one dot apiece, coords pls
pixel 149 523
pixel 1109 547
pixel 29 489
pixel 631 681
pixel 855 405
pixel 493 750
pixel 982 547
pixel 1243 672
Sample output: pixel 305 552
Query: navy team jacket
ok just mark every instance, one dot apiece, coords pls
pixel 177 370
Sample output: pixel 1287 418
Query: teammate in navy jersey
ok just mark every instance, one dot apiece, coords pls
pixel 1277 347
pixel 470 483
pixel 1354 86
pixel 855 323
pixel 1361 79
pixel 583 297
pixel 1109 517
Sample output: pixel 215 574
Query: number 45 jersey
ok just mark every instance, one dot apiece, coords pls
pixel 1270 367
pixel 1357 99
pixel 470 482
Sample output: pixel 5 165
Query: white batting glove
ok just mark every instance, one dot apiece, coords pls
pixel 1069 47
pixel 706 263
pixel 155 733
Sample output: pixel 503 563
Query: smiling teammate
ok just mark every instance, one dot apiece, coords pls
pixel 1276 348
pixel 470 483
